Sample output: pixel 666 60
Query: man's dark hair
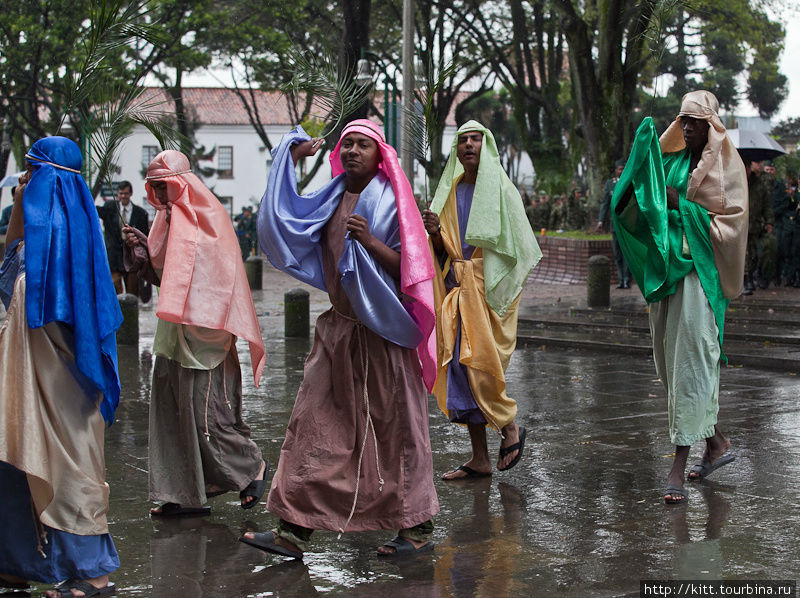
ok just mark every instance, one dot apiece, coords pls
pixel 125 185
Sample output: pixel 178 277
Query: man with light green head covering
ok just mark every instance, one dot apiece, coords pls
pixel 484 250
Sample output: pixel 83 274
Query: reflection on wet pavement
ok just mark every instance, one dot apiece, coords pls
pixel 581 515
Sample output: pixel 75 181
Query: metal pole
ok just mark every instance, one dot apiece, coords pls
pixel 406 151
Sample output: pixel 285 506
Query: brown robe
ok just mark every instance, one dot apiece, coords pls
pixel 318 472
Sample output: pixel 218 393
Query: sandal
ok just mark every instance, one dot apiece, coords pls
pixel 13 585
pixel 266 541
pixel 517 446
pixel 469 474
pixel 171 509
pixel 255 488
pixel 677 496
pixel 89 591
pixel 705 468
pixel 403 547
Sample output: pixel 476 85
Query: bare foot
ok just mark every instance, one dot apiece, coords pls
pixel 510 436
pixel 391 549
pixel 98 582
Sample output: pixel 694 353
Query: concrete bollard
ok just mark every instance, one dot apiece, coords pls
pixel 598 282
pixel 128 332
pixel 296 313
pixel 253 267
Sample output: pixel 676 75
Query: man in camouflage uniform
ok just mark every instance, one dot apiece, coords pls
pixel 760 261
pixel 785 209
pixel 575 211
pixel 558 212
pixel 623 273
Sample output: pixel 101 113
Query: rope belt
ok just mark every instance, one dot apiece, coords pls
pixel 364 358
pixel 153 177
pixel 29 157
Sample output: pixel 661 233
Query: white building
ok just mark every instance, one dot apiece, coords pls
pixel 237 155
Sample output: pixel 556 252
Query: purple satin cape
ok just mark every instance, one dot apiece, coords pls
pixel 290 227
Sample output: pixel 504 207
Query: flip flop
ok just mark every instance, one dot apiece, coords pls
pixel 704 468
pixel 674 491
pixel 255 488
pixel 13 585
pixel 520 445
pixel 65 589
pixel 266 541
pixel 403 547
pixel 171 509
pixel 470 474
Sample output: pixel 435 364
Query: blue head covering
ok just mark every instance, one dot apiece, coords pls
pixel 68 278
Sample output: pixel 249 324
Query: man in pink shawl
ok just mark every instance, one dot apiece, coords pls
pixel 199 445
pixel 357 454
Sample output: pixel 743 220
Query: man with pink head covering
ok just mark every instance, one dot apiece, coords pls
pixel 199 445
pixel 357 453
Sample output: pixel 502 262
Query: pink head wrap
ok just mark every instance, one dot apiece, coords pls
pixel 204 282
pixel 416 265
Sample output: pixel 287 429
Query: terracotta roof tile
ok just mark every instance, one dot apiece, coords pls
pixel 222 106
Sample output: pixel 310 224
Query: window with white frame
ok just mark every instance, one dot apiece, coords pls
pixel 225 161
pixel 148 153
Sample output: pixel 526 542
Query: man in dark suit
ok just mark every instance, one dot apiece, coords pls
pixel 131 214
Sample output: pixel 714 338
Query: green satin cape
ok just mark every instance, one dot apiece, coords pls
pixel 651 235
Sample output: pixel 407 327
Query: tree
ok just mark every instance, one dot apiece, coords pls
pixel 524 44
pixel 609 45
pixel 63 64
pixel 709 44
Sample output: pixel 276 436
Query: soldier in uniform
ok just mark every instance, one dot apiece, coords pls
pixel 623 273
pixel 574 210
pixel 784 207
pixel 558 213
pixel 793 193
pixel 761 243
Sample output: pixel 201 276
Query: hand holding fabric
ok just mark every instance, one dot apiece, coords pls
pixel 672 198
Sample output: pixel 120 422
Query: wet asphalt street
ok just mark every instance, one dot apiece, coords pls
pixel 581 515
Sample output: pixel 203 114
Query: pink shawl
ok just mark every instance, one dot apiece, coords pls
pixel 416 263
pixel 203 282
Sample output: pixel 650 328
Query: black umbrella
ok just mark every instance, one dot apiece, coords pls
pixel 755 146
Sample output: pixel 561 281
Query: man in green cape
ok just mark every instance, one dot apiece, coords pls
pixel 684 236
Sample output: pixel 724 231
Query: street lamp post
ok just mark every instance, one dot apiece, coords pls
pixel 364 77
pixel 406 150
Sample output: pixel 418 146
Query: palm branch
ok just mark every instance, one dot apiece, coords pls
pixel 423 124
pixel 109 116
pixel 333 91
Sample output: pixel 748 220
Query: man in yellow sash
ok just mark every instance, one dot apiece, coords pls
pixel 483 251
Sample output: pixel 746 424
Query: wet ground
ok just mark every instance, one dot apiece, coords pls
pixel 581 515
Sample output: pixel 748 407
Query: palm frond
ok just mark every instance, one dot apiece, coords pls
pixel 336 94
pixel 663 12
pixel 108 125
pixel 422 121
pixel 113 24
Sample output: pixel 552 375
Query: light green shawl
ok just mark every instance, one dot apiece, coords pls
pixel 497 221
